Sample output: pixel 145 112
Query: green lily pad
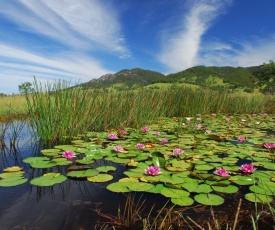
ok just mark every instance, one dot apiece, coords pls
pixel 243 180
pixel 119 187
pixel 174 193
pixel 100 178
pixel 12 181
pixel 226 189
pixel 83 173
pixel 140 187
pixel 50 152
pixel 106 169
pixel 13 169
pixel 259 198
pixel 183 201
pixel 35 159
pixel 11 174
pixel 48 179
pixel 43 164
pixel 209 199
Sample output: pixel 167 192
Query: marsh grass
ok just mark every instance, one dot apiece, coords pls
pixel 12 107
pixel 59 113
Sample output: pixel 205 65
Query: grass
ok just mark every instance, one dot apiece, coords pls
pixel 12 107
pixel 57 112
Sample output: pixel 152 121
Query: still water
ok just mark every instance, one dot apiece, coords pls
pixel 70 205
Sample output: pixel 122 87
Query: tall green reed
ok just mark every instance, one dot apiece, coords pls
pixel 58 112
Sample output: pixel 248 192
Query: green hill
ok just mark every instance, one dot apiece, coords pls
pixel 213 77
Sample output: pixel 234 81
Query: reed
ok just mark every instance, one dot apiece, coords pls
pixel 58 112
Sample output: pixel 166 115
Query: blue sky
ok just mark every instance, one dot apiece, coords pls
pixel 78 40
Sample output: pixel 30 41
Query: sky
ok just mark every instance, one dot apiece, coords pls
pixel 80 40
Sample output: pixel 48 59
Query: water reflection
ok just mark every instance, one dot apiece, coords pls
pixel 70 205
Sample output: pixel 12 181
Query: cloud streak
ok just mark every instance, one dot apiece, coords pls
pixel 78 31
pixel 249 52
pixel 181 49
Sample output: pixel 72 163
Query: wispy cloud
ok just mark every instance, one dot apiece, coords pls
pixel 79 30
pixel 79 24
pixel 181 49
pixel 21 65
pixel 251 51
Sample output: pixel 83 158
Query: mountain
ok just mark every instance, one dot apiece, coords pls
pixel 229 77
pixel 127 78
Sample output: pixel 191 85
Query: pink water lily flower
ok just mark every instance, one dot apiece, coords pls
pixel 156 133
pixel 118 148
pixel 164 140
pixel 213 114
pixel 207 131
pixel 123 132
pixel 227 119
pixel 269 145
pixel 145 129
pixel 140 146
pixel 112 136
pixel 69 155
pixel 178 151
pixel 241 140
pixel 248 168
pixel 198 126
pixel 222 172
pixel 153 171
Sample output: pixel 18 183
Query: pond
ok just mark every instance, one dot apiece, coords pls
pixel 70 205
pixel 74 203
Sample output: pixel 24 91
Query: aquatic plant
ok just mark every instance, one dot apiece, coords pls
pixel 145 129
pixel 222 172
pixel 118 148
pixel 178 151
pixel 269 145
pixel 112 136
pixel 241 140
pixel 153 171
pixel 69 155
pixel 247 168
pixel 140 146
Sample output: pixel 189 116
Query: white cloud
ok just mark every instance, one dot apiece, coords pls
pixel 78 24
pixel 21 65
pixel 252 51
pixel 78 30
pixel 181 49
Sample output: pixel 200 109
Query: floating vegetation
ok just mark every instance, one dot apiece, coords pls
pixel 196 163
pixel 12 176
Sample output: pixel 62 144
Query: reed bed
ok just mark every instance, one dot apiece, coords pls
pixel 58 112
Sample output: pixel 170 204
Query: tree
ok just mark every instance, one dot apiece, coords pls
pixel 266 77
pixel 25 87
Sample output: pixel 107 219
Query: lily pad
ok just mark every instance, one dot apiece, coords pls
pixel 226 189
pixel 209 199
pixel 100 178
pixel 140 187
pixel 106 169
pixel 174 193
pixel 183 201
pixel 259 198
pixel 12 181
pixel 83 173
pixel 13 169
pixel 48 179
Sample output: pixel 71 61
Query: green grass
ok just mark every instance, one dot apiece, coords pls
pixel 58 112
pixel 11 106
